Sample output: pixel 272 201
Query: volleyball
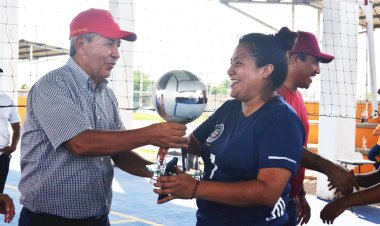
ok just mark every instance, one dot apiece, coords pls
pixel 179 96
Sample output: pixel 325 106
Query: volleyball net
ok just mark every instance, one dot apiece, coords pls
pixel 193 35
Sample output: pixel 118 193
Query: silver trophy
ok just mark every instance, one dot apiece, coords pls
pixel 178 96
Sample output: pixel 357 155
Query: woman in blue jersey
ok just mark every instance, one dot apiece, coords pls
pixel 251 145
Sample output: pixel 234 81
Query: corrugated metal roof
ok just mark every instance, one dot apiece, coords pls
pixel 318 4
pixel 35 50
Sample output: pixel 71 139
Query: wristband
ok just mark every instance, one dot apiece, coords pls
pixel 197 182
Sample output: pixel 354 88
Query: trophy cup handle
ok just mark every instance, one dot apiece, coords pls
pixel 159 165
pixel 185 161
pixel 170 169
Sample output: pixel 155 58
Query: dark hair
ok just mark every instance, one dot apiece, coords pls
pixel 87 36
pixel 271 49
pixel 302 56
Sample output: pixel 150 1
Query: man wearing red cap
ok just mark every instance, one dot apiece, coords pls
pixel 73 130
pixel 304 61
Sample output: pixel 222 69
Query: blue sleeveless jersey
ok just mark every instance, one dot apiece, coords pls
pixel 235 147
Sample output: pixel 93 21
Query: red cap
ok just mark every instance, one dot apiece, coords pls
pixel 101 22
pixel 307 43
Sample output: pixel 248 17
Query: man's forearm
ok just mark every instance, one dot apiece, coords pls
pixel 133 163
pixel 340 178
pixel 315 162
pixel 368 179
pixel 15 135
pixel 363 197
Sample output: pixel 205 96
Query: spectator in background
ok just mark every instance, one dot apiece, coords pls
pixel 7 208
pixel 8 115
pixel 8 142
pixel 375 150
pixel 73 130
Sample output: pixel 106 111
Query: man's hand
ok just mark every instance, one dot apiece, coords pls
pixel 167 135
pixel 7 208
pixel 333 210
pixel 339 177
pixel 342 179
pixel 7 150
pixel 180 186
pixel 303 209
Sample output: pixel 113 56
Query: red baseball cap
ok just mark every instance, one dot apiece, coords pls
pixel 307 43
pixel 101 22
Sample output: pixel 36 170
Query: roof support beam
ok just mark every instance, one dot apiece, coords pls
pixel 249 16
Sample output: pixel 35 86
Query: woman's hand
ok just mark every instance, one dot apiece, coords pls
pixel 182 186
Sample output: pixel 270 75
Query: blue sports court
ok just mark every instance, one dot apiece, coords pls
pixel 134 204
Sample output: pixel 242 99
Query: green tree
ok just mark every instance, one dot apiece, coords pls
pixel 142 81
pixel 142 87
pixel 222 88
pixel 25 87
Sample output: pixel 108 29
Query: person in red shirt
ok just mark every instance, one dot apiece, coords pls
pixel 304 61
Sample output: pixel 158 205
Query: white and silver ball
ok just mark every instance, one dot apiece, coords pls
pixel 179 96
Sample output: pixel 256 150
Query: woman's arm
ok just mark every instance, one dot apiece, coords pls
pixel 266 190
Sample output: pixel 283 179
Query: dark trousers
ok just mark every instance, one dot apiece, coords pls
pixel 375 151
pixel 29 218
pixel 291 210
pixel 4 169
